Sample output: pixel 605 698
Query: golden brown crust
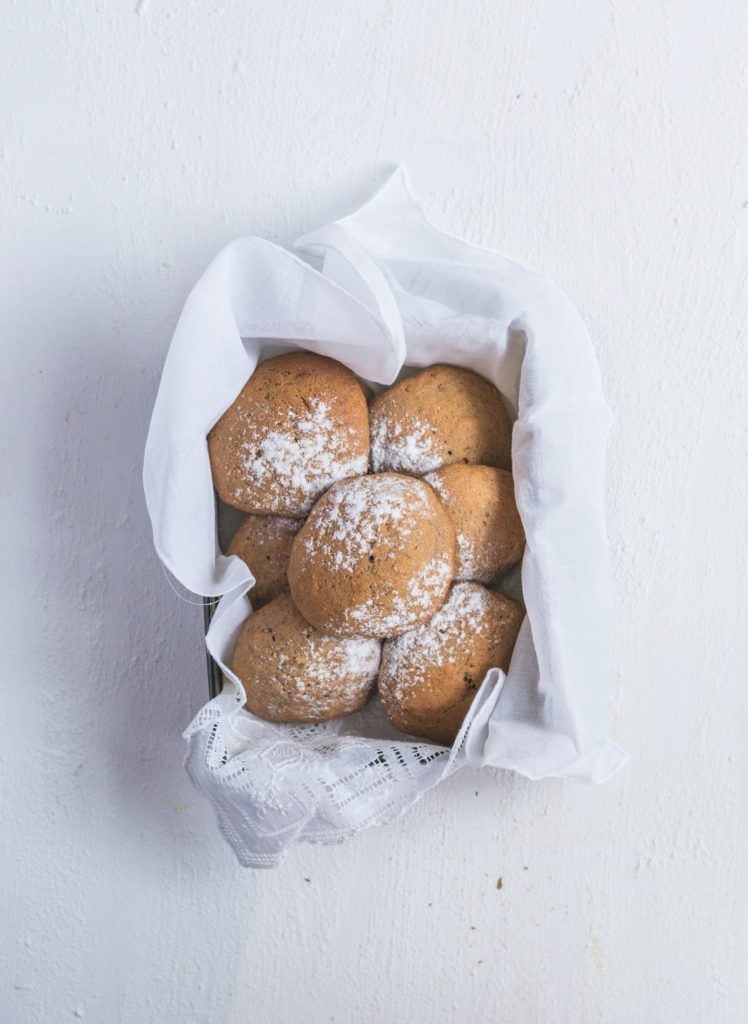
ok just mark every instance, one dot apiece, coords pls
pixel 375 557
pixel 430 675
pixel 293 673
pixel 480 500
pixel 439 416
pixel 264 543
pixel 299 424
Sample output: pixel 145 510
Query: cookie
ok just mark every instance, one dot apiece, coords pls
pixel 480 500
pixel 299 424
pixel 264 543
pixel 439 416
pixel 375 557
pixel 293 673
pixel 430 675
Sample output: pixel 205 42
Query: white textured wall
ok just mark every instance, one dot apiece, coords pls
pixel 602 143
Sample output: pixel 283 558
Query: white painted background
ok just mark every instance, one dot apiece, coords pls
pixel 602 143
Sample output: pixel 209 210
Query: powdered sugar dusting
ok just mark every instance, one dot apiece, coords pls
pixel 336 672
pixel 423 588
pixel 436 481
pixel 468 560
pixel 280 526
pixel 402 449
pixel 407 658
pixel 468 555
pixel 370 526
pixel 307 456
pixel 356 515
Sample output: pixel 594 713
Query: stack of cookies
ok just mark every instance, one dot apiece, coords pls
pixel 375 529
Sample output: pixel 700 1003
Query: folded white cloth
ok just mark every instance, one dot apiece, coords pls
pixel 377 290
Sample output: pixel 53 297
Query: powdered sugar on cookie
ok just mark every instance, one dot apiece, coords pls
pixel 463 615
pixel 356 515
pixel 309 454
pixel 468 558
pixel 433 579
pixel 375 557
pixel 403 448
pixel 336 671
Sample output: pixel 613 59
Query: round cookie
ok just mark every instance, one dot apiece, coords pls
pixel 299 424
pixel 375 557
pixel 480 500
pixel 429 676
pixel 437 417
pixel 293 673
pixel 264 543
